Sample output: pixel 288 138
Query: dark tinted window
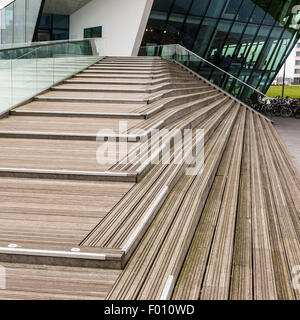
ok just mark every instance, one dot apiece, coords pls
pixel 249 38
pixel 95 32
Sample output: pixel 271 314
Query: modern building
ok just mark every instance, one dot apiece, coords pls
pixel 279 81
pixel 297 64
pixel 250 39
pixel 137 162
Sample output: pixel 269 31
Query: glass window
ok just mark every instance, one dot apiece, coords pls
pixel 32 12
pixel 7 32
pixel 199 7
pixel 95 32
pixel 255 35
pixel 245 11
pixel 291 39
pixel 270 65
pixel 155 28
pixel 234 38
pixel 53 27
pixel 19 21
pixel 172 31
pixel 58 34
pixel 270 48
pixel 176 18
pixel 246 41
pixel 217 45
pixel 232 9
pixel 60 21
pixel 46 21
pixel 297 62
pixel 215 8
pixel 164 5
pixel 189 31
pixel 158 15
pixel 298 54
pixel 204 36
pixel 297 71
pixel 259 43
pixel 282 49
pixel 181 6
pixel 257 15
pixel 272 14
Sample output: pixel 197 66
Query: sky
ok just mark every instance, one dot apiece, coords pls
pixel 290 65
pixel 4 3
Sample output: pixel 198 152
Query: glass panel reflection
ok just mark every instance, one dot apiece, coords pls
pixel 24 72
pixel 19 21
pixel 244 37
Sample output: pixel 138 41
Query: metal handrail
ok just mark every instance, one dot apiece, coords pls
pixel 27 53
pixel 208 62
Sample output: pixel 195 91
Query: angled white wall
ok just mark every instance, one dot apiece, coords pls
pixel 123 23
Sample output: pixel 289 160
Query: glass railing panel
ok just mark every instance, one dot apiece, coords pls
pixel 23 77
pixel 44 68
pixel 219 77
pixel 5 84
pixel 25 72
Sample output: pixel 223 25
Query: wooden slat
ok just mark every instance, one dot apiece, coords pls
pixel 217 279
pixel 241 287
pixel 263 272
pixel 35 282
pixel 56 154
pixel 289 231
pixel 191 277
pixel 134 276
pixel 120 219
pixel 231 232
pixel 54 212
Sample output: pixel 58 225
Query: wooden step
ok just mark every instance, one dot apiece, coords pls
pixel 132 279
pixel 190 280
pixel 62 125
pixel 183 117
pixel 174 248
pixel 40 282
pixel 42 216
pixel 228 232
pixel 125 235
pixel 128 82
pixel 123 89
pixel 285 220
pixel 216 282
pixel 79 107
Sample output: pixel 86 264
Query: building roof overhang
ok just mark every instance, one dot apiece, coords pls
pixel 65 7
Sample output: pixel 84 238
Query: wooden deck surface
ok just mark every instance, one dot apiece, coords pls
pixel 229 232
pixel 57 154
pixel 62 124
pixel 54 212
pixel 79 107
pixel 37 282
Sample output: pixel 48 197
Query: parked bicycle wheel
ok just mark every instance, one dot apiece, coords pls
pixel 286 112
pixel 276 111
pixel 297 113
pixel 269 110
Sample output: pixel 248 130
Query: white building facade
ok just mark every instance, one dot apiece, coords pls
pixel 297 64
pixel 122 32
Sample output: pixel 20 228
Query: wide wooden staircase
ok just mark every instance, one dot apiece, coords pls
pixel 145 229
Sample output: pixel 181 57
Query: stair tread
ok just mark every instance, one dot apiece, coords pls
pixel 229 232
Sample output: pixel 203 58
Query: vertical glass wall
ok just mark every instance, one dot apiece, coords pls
pixel 18 21
pixel 250 39
pixel 53 27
